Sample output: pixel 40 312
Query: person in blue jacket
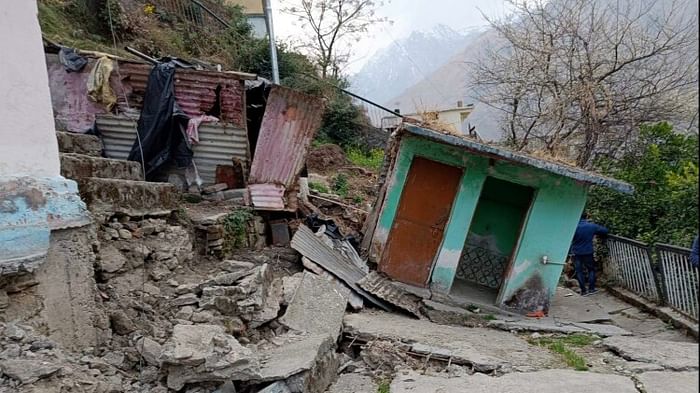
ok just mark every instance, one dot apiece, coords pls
pixel 694 253
pixel 582 251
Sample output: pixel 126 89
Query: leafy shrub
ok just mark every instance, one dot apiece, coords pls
pixel 372 159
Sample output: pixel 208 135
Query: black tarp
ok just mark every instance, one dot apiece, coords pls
pixel 161 126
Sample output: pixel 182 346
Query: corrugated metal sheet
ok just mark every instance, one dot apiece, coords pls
pixel 267 196
pixel 385 289
pixel 218 143
pixel 195 91
pixel 288 126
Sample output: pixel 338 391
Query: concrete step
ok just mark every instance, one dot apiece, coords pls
pixel 79 166
pixel 73 142
pixel 130 197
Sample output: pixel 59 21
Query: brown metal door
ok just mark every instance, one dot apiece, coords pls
pixel 424 208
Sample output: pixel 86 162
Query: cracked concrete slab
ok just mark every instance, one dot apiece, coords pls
pixel 550 325
pixel 292 355
pixel 546 381
pixel 670 382
pixel 679 356
pixel 570 306
pixel 485 349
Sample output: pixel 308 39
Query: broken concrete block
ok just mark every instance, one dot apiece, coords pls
pixel 669 382
pixel 121 323
pixel 317 307
pixel 353 383
pixel 264 296
pixel 111 260
pixel 185 312
pixel 289 286
pixel 294 354
pixel 14 332
pixel 28 371
pixel 150 350
pixel 678 356
pixel 352 297
pixel 205 353
pixel 318 378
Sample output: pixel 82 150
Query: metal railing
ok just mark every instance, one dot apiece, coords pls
pixel 662 273
pixel 631 266
pixel 679 279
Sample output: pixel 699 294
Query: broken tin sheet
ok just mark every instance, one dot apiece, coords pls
pixel 290 121
pixel 267 196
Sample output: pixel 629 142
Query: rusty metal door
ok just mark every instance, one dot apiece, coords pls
pixel 424 208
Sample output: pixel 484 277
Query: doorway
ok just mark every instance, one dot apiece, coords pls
pixel 421 217
pixel 492 240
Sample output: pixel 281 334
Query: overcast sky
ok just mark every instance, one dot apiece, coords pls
pixel 407 16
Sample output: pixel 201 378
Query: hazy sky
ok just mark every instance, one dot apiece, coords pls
pixel 407 16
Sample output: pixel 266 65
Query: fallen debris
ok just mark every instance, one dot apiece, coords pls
pixel 328 253
pixel 28 371
pixel 383 288
pixel 316 308
pixel 353 383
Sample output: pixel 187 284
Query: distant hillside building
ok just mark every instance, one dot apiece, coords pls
pixel 452 119
pixel 254 11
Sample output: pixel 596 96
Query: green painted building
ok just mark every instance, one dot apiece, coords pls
pixel 467 219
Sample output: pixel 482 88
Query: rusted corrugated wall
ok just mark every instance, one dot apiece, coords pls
pixel 290 121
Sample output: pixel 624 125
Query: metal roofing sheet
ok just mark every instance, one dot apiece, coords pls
pixel 556 168
pixel 291 118
pixel 195 91
pixel 218 143
pixel 267 196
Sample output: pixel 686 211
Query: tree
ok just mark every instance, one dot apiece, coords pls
pixel 662 165
pixel 330 24
pixel 585 74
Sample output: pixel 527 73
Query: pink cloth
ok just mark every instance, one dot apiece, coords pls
pixel 193 127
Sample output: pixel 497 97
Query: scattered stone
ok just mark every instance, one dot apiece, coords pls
pixel 185 313
pixel 114 358
pixel 204 353
pixel 125 234
pixel 353 383
pixel 316 308
pixel 151 289
pixel 173 283
pixel 121 323
pixel 293 355
pixel 546 381
pixel 202 317
pixel 150 350
pixel 678 356
pixel 11 351
pixel 41 344
pixel 14 332
pixel 186 288
pixel 159 272
pixel 669 382
pixel 28 371
pixel 229 278
pixel 4 300
pixel 184 300
pixel 111 233
pixel 111 260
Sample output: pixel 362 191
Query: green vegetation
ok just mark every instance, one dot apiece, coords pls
pixel 663 168
pixel 318 187
pixel 372 159
pixel 235 228
pixel 489 317
pixel 384 386
pixel 561 346
pixel 341 185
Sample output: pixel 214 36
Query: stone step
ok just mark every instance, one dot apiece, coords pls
pixel 130 197
pixel 73 142
pixel 79 166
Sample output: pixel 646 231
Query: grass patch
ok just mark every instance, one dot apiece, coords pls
pixel 235 228
pixel 340 185
pixel 489 317
pixel 561 346
pixel 372 159
pixel 383 387
pixel 318 187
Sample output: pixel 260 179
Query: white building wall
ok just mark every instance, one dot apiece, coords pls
pixel 28 145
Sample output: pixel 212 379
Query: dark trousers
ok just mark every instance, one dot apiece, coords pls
pixel 585 268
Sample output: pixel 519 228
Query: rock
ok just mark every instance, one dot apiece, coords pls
pixel 11 351
pixel 151 289
pixel 353 383
pixel 277 387
pixel 669 382
pixel 41 344
pixel 121 323
pixel 185 313
pixel 233 266
pixel 678 356
pixel 204 353
pixel 173 283
pixel 114 358
pixel 317 307
pixel 125 234
pixel 28 371
pixel 4 300
pixel 159 272
pixel 264 295
pixel 289 286
pixel 14 332
pixel 184 300
pixel 202 317
pixel 186 288
pixel 111 260
pixel 150 350
pixel 294 354
pixel 229 278
pixel 111 233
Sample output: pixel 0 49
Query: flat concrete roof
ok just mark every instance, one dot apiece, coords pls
pixel 519 158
